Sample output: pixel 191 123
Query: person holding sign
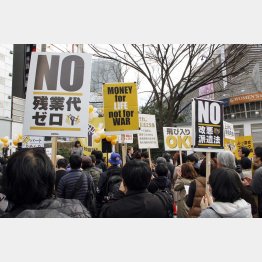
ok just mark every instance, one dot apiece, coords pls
pixel 225 200
pixel 186 175
pixel 197 190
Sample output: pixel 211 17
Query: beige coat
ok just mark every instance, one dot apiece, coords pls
pixel 179 187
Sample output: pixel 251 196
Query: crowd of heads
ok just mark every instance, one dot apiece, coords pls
pixel 29 175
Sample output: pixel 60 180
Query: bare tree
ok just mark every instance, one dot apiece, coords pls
pixel 116 71
pixel 175 71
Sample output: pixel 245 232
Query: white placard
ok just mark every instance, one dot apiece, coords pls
pixel 33 141
pixel 128 138
pixel 177 138
pixel 57 95
pixel 229 132
pixel 147 138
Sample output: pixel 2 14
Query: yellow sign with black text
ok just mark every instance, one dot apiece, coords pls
pixel 244 141
pixel 120 107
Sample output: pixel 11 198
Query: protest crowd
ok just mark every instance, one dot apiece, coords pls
pixel 85 187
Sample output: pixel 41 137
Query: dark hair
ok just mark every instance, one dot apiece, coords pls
pixel 167 157
pixel 258 152
pixel 212 155
pixel 184 159
pixel 75 161
pixel 245 151
pixel 93 157
pixel 29 177
pixel 86 162
pixel 62 163
pixel 224 184
pixel 202 169
pixel 192 158
pixel 99 155
pixel 161 170
pixel 145 154
pixel 245 163
pixel 137 155
pixel 136 175
pixel 77 143
pixel 188 171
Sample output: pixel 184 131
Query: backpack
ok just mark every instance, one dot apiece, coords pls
pixel 95 173
pixel 167 199
pixel 91 196
pixel 114 180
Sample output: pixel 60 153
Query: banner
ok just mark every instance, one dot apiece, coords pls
pixel 128 139
pixel 121 108
pixel 244 141
pixel 177 138
pixel 147 138
pixel 57 95
pixel 33 141
pixel 229 132
pixel 207 122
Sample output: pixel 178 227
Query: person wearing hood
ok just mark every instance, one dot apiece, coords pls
pixel 225 199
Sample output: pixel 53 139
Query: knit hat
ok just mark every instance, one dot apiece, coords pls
pixel 115 159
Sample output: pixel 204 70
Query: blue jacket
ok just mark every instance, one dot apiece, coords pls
pixel 67 184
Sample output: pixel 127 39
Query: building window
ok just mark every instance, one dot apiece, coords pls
pixel 256 131
pixel 239 130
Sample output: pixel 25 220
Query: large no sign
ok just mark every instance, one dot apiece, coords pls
pixel 207 117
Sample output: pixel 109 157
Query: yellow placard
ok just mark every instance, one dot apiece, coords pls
pixel 244 141
pixel 97 123
pixel 230 145
pixel 120 107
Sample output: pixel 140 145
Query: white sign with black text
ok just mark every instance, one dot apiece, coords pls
pixel 147 137
pixel 57 97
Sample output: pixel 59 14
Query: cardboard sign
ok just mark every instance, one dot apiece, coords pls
pixel 207 122
pixel 33 141
pixel 147 138
pixel 244 141
pixel 57 95
pixel 126 138
pixel 121 108
pixel 229 132
pixel 177 138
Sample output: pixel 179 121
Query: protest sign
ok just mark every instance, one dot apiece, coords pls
pixel 89 143
pixel 126 138
pixel 32 141
pixel 177 138
pixel 147 138
pixel 120 108
pixel 57 95
pixel 229 132
pixel 244 141
pixel 229 145
pixel 207 122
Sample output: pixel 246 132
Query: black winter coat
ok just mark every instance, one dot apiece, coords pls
pixel 136 204
pixel 50 208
